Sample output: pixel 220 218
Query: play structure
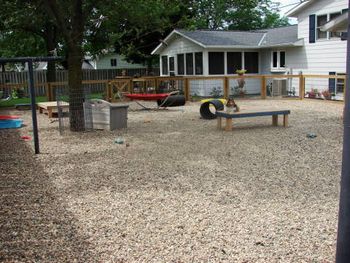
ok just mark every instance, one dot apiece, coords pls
pixel 163 100
pixel 10 122
pixel 246 114
pixel 210 105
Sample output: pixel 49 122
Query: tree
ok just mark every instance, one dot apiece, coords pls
pixel 26 30
pixel 70 18
pixel 236 14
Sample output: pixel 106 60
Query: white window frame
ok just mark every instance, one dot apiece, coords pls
pixel 278 68
pixel 328 34
pixel 340 82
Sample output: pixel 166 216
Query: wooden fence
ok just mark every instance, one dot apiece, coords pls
pixel 111 88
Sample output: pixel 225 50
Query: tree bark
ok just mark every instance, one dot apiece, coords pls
pixel 76 92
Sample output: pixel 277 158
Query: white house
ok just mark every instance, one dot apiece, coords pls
pixel 323 52
pixel 285 50
pixel 115 61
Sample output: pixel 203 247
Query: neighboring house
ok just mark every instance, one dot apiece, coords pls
pixel 285 50
pixel 324 52
pixel 115 61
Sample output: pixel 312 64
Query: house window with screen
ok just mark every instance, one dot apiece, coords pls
pixel 171 66
pixel 278 60
pixel 189 64
pixel 234 62
pixel 251 62
pixel 113 62
pixel 323 19
pixel 340 84
pixel 180 64
pixel 164 65
pixel 216 63
pixel 334 34
pixel 198 63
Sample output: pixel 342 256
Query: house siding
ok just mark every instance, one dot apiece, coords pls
pixel 181 45
pixel 104 62
pixel 323 56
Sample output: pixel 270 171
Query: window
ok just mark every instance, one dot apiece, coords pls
pixel 216 63
pixel 251 62
pixel 164 65
pixel 198 62
pixel 234 62
pixel 189 64
pixel 180 64
pixel 113 62
pixel 334 34
pixel 278 60
pixel 340 84
pixel 171 66
pixel 321 20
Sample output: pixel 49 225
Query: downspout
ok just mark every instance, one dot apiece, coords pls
pixel 343 238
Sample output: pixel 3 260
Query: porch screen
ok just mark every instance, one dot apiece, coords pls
pixel 216 63
pixel 189 64
pixel 234 62
pixel 251 62
pixel 198 63
pixel 164 65
pixel 180 64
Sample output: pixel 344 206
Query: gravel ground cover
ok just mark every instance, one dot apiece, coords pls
pixel 178 190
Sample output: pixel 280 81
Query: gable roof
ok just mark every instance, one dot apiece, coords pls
pixel 282 36
pixel 295 10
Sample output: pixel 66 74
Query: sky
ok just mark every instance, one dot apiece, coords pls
pixel 286 5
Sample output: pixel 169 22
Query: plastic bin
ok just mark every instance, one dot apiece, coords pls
pixel 107 116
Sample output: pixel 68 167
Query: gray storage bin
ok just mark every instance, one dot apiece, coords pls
pixel 107 116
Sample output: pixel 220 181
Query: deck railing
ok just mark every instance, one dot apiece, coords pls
pixel 110 89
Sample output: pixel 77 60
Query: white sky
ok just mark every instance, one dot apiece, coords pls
pixel 287 5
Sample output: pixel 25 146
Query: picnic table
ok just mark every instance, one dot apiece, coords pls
pixel 50 107
pixel 246 114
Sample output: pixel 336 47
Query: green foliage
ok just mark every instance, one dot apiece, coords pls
pixel 235 14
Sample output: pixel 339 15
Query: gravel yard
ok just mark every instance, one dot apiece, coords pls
pixel 178 190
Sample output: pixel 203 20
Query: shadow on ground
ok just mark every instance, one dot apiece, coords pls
pixel 35 227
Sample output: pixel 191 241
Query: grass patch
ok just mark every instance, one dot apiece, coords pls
pixel 12 102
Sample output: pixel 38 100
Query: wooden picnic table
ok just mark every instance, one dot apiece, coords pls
pixel 246 114
pixel 50 107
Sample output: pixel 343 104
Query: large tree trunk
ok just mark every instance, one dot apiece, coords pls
pixel 76 92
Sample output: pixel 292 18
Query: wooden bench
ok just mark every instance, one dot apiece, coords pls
pixel 50 107
pixel 247 114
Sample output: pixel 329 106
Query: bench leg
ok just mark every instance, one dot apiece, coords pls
pixel 285 120
pixel 228 124
pixel 219 123
pixel 49 112
pixel 275 120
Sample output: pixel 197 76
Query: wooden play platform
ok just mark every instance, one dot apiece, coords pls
pixel 51 108
pixel 246 114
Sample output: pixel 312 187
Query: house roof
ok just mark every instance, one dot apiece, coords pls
pixel 295 10
pixel 338 24
pixel 282 36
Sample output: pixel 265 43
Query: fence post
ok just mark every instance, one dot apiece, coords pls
pixel 49 92
pixel 109 91
pixel 226 89
pixel 156 85
pixel 301 86
pixel 187 89
pixel 263 87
